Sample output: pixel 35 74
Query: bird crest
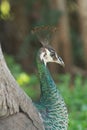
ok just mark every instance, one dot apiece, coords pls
pixel 47 53
pixel 44 34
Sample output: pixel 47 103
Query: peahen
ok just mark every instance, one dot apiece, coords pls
pixel 51 105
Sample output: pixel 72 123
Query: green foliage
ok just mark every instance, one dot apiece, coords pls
pixel 15 68
pixel 5 9
pixel 77 53
pixel 75 94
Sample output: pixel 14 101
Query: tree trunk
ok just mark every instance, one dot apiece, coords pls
pixel 55 44
pixel 64 34
pixel 16 29
pixel 13 100
pixel 54 40
pixel 17 121
pixel 82 4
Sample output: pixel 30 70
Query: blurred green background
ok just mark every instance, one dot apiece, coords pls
pixel 18 18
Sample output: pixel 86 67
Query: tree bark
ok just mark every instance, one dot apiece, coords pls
pixel 17 121
pixel 82 10
pixel 55 44
pixel 13 100
pixel 64 36
pixel 54 68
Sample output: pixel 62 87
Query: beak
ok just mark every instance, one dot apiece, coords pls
pixel 62 64
pixel 60 61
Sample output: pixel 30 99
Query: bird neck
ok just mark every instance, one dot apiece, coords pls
pixel 51 100
pixel 48 87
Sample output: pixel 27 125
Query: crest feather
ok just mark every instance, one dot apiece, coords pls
pixel 44 34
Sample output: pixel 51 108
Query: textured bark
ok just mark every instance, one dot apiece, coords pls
pixel 18 121
pixel 82 10
pixel 13 100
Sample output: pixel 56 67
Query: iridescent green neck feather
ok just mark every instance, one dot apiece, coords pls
pixel 52 106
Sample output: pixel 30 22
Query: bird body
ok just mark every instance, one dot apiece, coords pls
pixel 51 105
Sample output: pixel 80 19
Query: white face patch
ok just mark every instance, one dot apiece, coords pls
pixel 49 56
pixel 45 56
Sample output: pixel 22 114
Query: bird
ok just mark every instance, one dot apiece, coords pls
pixel 51 105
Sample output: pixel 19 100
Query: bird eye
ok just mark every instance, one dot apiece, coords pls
pixel 60 58
pixel 52 54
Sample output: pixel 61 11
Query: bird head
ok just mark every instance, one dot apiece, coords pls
pixel 48 54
